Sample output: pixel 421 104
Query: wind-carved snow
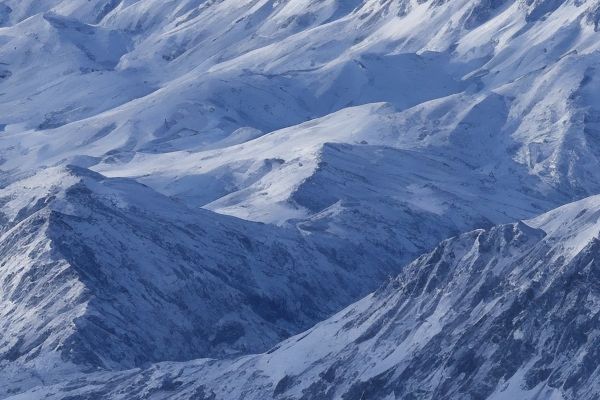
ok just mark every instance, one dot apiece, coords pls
pixel 155 281
pixel 316 147
pixel 488 314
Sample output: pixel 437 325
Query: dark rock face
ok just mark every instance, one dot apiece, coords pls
pixel 512 309
pixel 593 17
pixel 542 322
pixel 117 276
pixel 481 12
pixel 540 8
pixel 105 8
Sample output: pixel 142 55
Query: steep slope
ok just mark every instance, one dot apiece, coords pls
pixel 361 132
pixel 302 177
pixel 233 105
pixel 108 273
pixel 362 169
pixel 510 312
pixel 199 79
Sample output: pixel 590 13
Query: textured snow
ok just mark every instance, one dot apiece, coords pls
pixel 493 314
pixel 86 254
pixel 207 178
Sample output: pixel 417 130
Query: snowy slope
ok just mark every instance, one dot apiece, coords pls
pixel 297 153
pixel 502 313
pixel 279 66
pixel 213 84
pixel 108 273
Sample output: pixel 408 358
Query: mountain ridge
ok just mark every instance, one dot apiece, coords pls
pixel 210 178
pixel 122 243
pixel 505 290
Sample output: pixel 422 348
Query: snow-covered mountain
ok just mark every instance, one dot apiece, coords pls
pixel 505 313
pixel 109 273
pixel 124 80
pixel 232 106
pixel 204 178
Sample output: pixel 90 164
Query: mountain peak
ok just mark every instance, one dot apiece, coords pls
pixel 186 179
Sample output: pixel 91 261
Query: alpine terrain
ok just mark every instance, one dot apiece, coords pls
pixel 300 199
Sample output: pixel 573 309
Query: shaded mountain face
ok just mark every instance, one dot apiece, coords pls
pixel 235 107
pixel 207 178
pixel 108 273
pixel 509 312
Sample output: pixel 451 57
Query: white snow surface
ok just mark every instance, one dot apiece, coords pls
pixel 485 315
pixel 207 178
